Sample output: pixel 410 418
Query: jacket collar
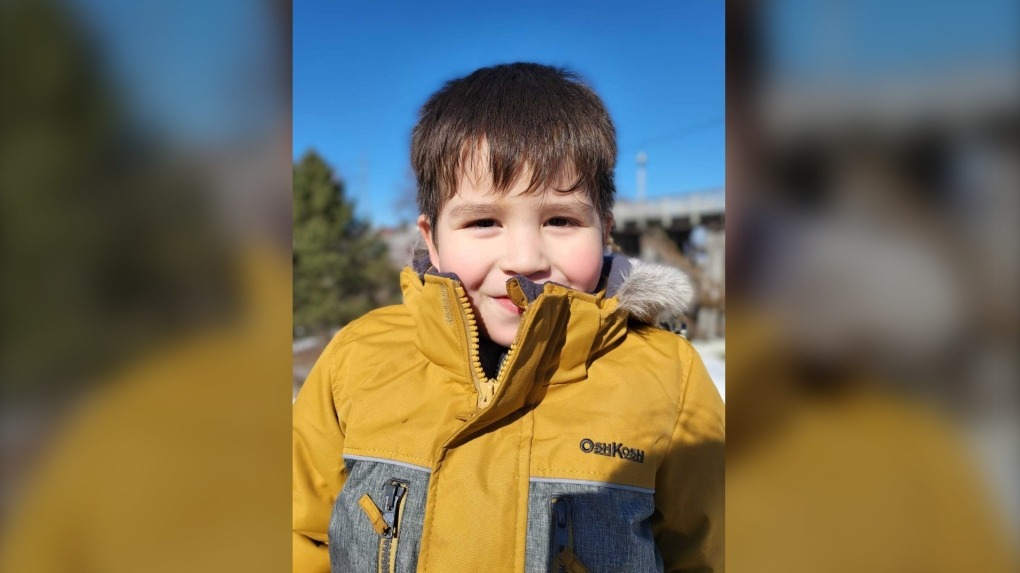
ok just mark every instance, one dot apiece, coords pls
pixel 561 328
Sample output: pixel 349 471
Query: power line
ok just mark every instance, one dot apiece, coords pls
pixel 682 132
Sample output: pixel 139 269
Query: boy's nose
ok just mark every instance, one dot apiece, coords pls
pixel 524 255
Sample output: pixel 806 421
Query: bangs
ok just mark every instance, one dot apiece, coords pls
pixel 504 165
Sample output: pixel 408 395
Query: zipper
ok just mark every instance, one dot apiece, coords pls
pixel 395 491
pixel 563 558
pixel 393 498
pixel 485 386
pixel 560 529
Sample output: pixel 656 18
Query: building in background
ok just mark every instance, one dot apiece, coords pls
pixel 686 231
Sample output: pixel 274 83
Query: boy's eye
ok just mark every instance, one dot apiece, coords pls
pixel 483 223
pixel 561 222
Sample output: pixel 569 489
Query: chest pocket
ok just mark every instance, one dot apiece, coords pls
pixel 377 519
pixel 582 528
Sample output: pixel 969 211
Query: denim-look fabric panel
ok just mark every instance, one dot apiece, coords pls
pixel 612 532
pixel 353 544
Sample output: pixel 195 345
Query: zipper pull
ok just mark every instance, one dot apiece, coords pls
pixel 394 492
pixel 487 389
pixel 561 525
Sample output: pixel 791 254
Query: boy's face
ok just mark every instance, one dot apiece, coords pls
pixel 486 239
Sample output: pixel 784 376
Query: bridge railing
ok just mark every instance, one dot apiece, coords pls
pixel 694 204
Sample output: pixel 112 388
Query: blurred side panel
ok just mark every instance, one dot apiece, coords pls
pixel 873 163
pixel 145 295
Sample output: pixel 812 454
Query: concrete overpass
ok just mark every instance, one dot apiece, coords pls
pixel 676 214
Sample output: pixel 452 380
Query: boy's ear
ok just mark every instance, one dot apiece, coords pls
pixel 606 233
pixel 426 234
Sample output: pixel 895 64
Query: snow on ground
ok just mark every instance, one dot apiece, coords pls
pixel 713 353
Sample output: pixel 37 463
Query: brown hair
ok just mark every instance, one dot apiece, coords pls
pixel 528 117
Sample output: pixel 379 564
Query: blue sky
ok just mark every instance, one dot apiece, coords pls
pixel 192 72
pixel 362 69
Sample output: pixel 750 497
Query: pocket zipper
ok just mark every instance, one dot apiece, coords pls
pixel 393 498
pixel 395 491
pixel 563 558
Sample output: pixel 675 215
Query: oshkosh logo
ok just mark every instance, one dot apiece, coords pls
pixel 613 450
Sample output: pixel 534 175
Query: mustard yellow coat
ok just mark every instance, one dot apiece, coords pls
pixel 598 447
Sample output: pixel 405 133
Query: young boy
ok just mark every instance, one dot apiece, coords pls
pixel 517 412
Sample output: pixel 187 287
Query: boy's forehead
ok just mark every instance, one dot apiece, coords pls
pixel 520 192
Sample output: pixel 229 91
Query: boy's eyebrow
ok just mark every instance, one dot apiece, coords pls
pixel 572 208
pixel 475 210
pixel 486 210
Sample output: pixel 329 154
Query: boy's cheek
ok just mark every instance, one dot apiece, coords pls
pixel 582 272
pixel 467 265
pixel 583 268
pixel 591 279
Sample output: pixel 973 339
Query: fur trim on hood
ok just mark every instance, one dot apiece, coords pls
pixel 647 291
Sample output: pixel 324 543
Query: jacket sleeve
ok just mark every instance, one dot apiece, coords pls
pixel 689 487
pixel 319 471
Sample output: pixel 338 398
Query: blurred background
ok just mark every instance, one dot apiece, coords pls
pixel 873 178
pixel 362 70
pixel 146 215
pixel 145 285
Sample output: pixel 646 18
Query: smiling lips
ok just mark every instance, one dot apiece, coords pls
pixel 509 305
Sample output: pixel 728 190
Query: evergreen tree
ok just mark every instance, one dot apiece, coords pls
pixel 341 267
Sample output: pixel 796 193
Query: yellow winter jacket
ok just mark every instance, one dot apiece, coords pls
pixel 598 447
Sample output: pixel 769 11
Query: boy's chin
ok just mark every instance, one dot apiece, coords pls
pixel 503 340
pixel 501 336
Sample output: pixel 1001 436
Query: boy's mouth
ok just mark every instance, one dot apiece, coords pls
pixel 506 303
